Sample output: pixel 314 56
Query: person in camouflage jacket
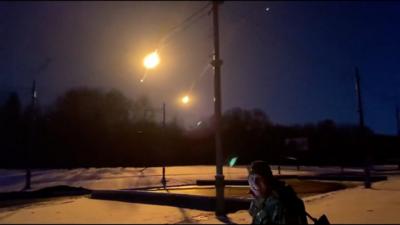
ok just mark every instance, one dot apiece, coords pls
pixel 274 202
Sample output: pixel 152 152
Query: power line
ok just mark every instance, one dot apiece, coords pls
pixel 181 26
pixel 191 16
pixel 185 24
pixel 164 41
pixel 195 20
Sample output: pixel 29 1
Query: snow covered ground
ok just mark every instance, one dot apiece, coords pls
pixel 124 178
pixel 85 210
pixel 129 178
pixel 380 204
pixel 112 178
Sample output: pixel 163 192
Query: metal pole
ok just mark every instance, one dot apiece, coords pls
pixel 163 180
pixel 31 138
pixel 163 110
pixel 367 182
pixel 398 120
pixel 398 127
pixel 217 62
pixel 359 99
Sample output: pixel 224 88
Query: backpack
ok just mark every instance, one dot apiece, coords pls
pixel 296 206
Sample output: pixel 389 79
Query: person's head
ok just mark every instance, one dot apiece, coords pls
pixel 260 178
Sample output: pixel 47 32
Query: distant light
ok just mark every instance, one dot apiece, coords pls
pixel 141 81
pixel 151 60
pixel 199 123
pixel 267 9
pixel 185 99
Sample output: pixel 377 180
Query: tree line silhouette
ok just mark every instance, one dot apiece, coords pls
pixel 88 127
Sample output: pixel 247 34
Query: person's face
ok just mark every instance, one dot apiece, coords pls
pixel 257 185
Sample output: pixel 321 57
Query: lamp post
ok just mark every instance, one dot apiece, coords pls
pixel 367 169
pixel 31 137
pixel 163 180
pixel 152 60
pixel 216 63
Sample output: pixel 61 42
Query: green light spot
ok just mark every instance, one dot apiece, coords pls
pixel 232 162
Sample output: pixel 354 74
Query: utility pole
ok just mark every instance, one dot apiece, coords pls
pixel 398 120
pixel 163 180
pixel 398 129
pixel 216 63
pixel 31 137
pixel 31 140
pixel 367 182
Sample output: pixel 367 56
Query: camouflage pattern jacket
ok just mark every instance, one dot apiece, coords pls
pixel 276 210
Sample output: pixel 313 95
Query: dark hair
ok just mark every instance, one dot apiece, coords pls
pixel 261 168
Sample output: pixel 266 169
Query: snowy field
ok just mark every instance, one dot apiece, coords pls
pixel 381 204
pixel 112 178
pixel 109 178
pixel 130 178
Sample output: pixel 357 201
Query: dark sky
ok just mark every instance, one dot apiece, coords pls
pixel 295 61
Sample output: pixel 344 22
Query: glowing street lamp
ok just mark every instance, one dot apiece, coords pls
pixel 185 99
pixel 151 60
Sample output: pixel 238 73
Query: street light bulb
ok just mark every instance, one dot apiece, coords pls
pixel 151 60
pixel 185 99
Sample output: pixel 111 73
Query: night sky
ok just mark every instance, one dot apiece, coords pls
pixel 294 60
